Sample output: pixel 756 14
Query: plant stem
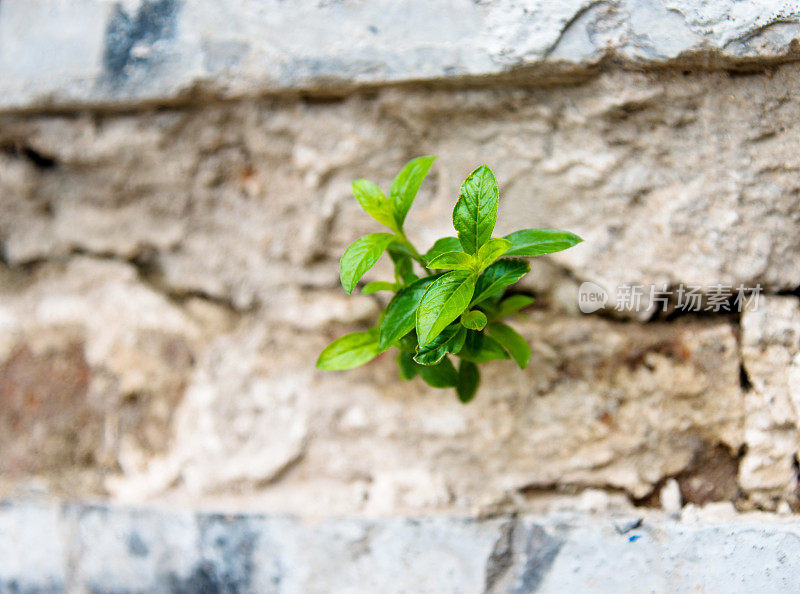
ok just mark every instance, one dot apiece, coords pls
pixel 414 253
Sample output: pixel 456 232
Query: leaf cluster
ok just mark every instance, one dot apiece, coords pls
pixel 448 302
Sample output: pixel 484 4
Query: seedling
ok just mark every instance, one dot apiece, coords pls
pixel 453 301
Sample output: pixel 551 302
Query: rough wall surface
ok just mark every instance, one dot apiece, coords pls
pixel 108 549
pixel 169 259
pixel 170 275
pixel 670 178
pixel 57 52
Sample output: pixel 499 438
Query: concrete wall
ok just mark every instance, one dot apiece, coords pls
pixel 174 197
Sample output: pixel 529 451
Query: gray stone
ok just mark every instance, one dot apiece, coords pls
pixel 54 53
pixel 32 548
pixel 76 548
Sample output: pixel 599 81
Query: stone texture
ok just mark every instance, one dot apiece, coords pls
pixel 670 498
pixel 693 174
pixel 770 341
pixel 47 422
pixel 47 548
pixel 243 420
pixel 174 197
pixel 184 260
pixel 93 364
pixel 600 405
pixel 185 400
pixel 56 53
pixel 168 269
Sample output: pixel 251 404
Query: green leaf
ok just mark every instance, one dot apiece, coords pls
pixel 349 351
pixel 406 365
pixel 449 341
pixel 401 311
pixel 511 305
pixel 441 375
pixel 376 286
pixel 491 250
pixel 474 320
pixel 453 261
pixel 476 210
pixel 536 242
pixel 403 264
pixel 492 301
pixel 512 342
pixel 362 255
pixel 442 245
pixel 406 185
pixel 468 380
pixel 444 300
pixel 372 200
pixel 480 348
pixel 498 276
pixel 408 343
pixel 397 249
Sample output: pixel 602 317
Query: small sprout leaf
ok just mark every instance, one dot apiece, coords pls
pixel 376 286
pixel 453 261
pixel 474 320
pixel 444 300
pixel 349 351
pixel 481 348
pixel 491 250
pixel 498 276
pixel 401 312
pixel 362 255
pixel 374 203
pixel 406 185
pixel 440 246
pixel 512 342
pixel 441 375
pixel 449 341
pixel 476 210
pixel 537 242
pixel 468 380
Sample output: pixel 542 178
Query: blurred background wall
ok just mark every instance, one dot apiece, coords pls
pixel 174 198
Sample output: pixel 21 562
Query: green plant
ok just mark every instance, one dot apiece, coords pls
pixel 455 306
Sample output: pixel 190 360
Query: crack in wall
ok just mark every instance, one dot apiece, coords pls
pixel 758 31
pixel 147 270
pixel 544 75
pixel 568 26
pixel 39 159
